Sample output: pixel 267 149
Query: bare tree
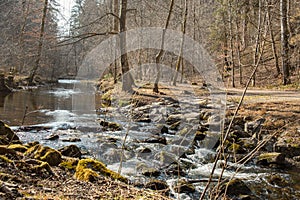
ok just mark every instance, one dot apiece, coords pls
pixel 183 29
pixel 284 42
pixel 231 37
pixel 274 48
pixel 161 51
pixel 40 45
pixel 127 79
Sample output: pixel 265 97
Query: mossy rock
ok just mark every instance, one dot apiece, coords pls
pixel 89 170
pixel 236 187
pixel 7 136
pixel 110 125
pixel 45 154
pixel 271 158
pixel 18 147
pixel 147 171
pixel 235 148
pixel 157 185
pixel 69 164
pixel 42 166
pixel 277 180
pixel 107 98
pixel 182 186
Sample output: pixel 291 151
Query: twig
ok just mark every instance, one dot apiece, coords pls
pixel 24 115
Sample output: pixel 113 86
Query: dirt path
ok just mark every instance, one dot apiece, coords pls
pixel 262 95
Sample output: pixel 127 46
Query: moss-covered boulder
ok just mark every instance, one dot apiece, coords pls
pixel 44 153
pixel 7 136
pixel 182 186
pixel 89 170
pixel 69 163
pixel 110 125
pixel 272 158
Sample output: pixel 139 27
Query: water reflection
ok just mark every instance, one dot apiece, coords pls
pixel 2 99
pixel 43 105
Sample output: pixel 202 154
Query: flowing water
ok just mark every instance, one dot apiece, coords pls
pixel 66 111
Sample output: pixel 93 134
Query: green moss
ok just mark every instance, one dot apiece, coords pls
pixel 268 156
pixel 123 103
pixel 234 147
pixel 69 164
pixel 88 170
pixel 5 159
pixel 297 146
pixel 107 99
pixel 46 154
pixel 18 147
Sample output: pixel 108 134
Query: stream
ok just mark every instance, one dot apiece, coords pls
pixel 148 151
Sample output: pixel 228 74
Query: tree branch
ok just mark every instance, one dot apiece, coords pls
pixel 82 37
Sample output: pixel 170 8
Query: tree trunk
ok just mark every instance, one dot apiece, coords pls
pixel 257 41
pixel 127 80
pixel 161 51
pixel 40 45
pixel 245 25
pixel 231 44
pixel 183 28
pixel 284 42
pixel 238 45
pixel 115 29
pixel 274 49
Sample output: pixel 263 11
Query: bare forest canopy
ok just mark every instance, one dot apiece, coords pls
pixel 240 35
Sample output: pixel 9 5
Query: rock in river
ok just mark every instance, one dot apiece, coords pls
pixel 271 158
pixel 7 136
pixel 110 125
pixel 71 151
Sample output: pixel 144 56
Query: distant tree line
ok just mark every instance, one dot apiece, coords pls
pixel 29 37
pixel 240 35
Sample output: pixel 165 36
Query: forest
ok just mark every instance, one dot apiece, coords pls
pixel 239 35
pixel 139 99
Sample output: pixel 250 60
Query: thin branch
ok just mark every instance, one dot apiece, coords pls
pixel 98 19
pixel 83 37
